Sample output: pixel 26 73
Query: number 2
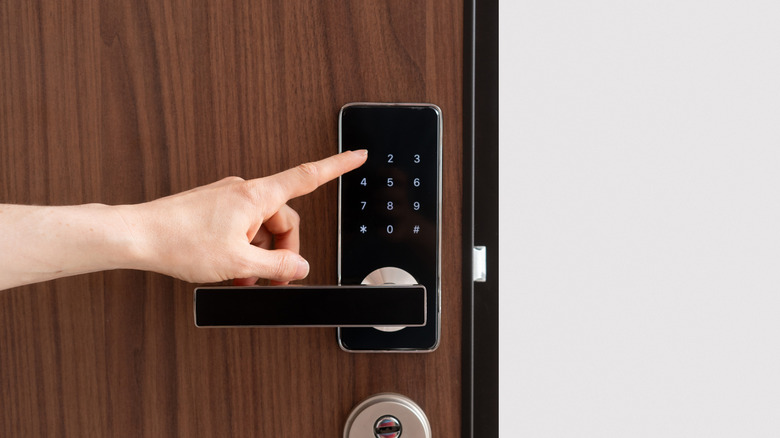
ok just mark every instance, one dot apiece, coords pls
pixel 389 158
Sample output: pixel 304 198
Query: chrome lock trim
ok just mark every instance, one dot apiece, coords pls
pixel 389 276
pixel 378 415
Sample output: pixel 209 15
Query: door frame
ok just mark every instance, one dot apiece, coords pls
pixel 480 218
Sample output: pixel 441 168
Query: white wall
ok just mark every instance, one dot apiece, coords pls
pixel 640 218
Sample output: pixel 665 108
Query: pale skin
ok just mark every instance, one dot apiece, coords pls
pixel 228 230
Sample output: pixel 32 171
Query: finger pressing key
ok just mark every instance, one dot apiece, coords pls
pixel 306 177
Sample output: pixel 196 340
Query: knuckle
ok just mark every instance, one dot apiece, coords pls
pixel 233 179
pixel 245 190
pixel 285 267
pixel 308 169
pixel 309 176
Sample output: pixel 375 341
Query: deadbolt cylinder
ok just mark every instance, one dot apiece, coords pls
pixel 387 415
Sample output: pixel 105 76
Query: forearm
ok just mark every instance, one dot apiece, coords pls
pixel 44 243
pixel 230 229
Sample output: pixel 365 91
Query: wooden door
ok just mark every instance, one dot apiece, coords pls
pixel 127 101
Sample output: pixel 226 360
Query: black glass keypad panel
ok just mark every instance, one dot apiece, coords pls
pixel 389 212
pixel 315 306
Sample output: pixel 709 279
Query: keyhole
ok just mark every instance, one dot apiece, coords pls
pixel 387 427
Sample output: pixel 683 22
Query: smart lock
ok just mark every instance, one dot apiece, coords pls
pixel 388 298
pixel 389 212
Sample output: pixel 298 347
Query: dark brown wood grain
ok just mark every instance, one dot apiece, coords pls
pixel 127 101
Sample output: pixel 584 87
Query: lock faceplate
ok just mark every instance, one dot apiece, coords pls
pixel 390 212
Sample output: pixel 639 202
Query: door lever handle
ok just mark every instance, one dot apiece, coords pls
pixel 311 306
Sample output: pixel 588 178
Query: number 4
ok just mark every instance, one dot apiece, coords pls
pixel 363 182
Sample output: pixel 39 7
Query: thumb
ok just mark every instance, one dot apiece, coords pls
pixel 279 264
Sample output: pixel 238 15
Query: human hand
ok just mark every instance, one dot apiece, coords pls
pixel 225 230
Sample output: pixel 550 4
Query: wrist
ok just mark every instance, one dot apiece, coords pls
pixel 131 238
pixel 99 235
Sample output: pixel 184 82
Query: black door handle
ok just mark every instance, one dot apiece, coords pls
pixel 311 306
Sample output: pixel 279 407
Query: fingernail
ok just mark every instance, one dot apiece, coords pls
pixel 303 269
pixel 363 152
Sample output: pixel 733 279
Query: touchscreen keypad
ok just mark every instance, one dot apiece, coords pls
pixel 389 213
pixel 391 200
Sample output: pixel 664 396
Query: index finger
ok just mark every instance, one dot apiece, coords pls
pixel 305 178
